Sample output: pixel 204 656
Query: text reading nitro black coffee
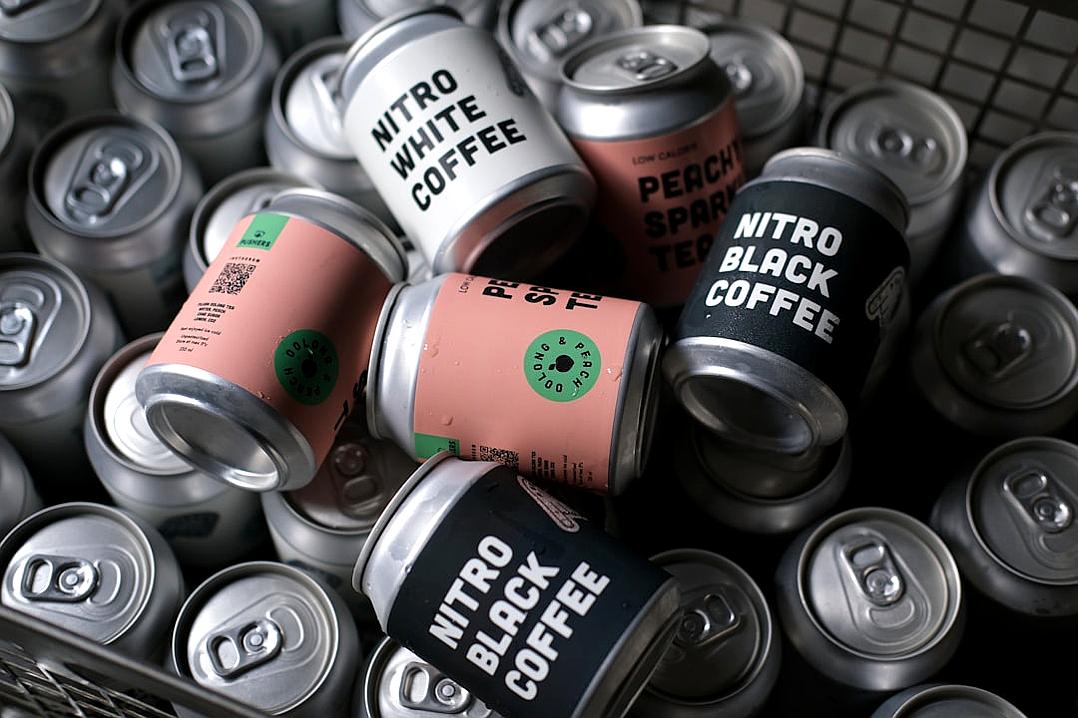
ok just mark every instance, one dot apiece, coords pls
pixel 523 594
pixel 442 108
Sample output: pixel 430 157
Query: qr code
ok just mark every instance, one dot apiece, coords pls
pixel 502 456
pixel 232 278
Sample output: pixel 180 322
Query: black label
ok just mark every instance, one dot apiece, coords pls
pixel 805 272
pixel 519 599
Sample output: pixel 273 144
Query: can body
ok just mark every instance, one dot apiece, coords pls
pixel 356 17
pixel 16 142
pixel 250 384
pixel 295 23
pixel 946 700
pixel 473 168
pixel 525 545
pixel 20 496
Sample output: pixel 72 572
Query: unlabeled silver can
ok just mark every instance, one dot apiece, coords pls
pixel 55 333
pixel 871 598
pixel 295 23
pixel 16 142
pixel 207 522
pixel 996 356
pixel 111 197
pixel 270 636
pixel 202 70
pixel 725 658
pixel 217 213
pixel 20 496
pixel 946 701
pixel 303 128
pixel 1011 525
pixel 472 166
pixel 356 17
pixel 95 571
pixel 915 138
pixel 540 33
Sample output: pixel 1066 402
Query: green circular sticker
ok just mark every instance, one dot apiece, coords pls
pixel 307 366
pixel 562 365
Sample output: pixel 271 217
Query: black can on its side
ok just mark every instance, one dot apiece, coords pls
pixel 806 273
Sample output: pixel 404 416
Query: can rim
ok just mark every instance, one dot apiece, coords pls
pixel 7 129
pixel 83 21
pixel 377 350
pixel 645 343
pixel 919 694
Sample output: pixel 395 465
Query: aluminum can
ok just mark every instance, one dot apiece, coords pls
pixel 871 598
pixel 996 356
pixel 227 202
pixel 562 361
pixel 539 34
pixel 265 361
pixel 303 128
pixel 206 522
pixel 1011 525
pixel 356 17
pixel 111 197
pixel 55 333
pixel 295 23
pixel 776 341
pixel 20 496
pixel 473 167
pixel 321 528
pixel 203 70
pixel 760 492
pixel 54 56
pixel 271 637
pixel 915 138
pixel 663 12
pixel 97 572
pixel 1024 216
pixel 514 595
pixel 768 81
pixel 946 701
pixel 16 141
pixel 397 683
pixel 725 658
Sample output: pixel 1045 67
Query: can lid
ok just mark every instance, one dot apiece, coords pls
pixel 231 200
pixel 35 21
pixel 636 60
pixel 388 8
pixel 311 100
pixel 1022 500
pixel 83 567
pixel 880 583
pixel 1008 341
pixel 1033 189
pixel 906 132
pixel 724 636
pixel 948 701
pixel 264 634
pixel 44 319
pixel 764 70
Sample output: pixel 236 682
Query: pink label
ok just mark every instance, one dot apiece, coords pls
pixel 287 311
pixel 663 199
pixel 525 375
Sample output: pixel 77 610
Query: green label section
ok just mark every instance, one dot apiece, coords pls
pixel 427 445
pixel 263 231
pixel 307 366
pixel 562 365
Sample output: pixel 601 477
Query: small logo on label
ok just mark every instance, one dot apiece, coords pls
pixel 263 231
pixel 883 303
pixel 306 364
pixel 427 445
pixel 564 517
pixel 562 365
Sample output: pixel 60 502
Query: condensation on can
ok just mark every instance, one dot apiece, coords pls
pixel 356 17
pixel 17 488
pixel 946 700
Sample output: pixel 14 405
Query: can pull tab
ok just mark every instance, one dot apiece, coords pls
pixel 561 33
pixel 13 8
pixel 708 619
pixel 739 74
pixel 1053 214
pixel 425 688
pixel 192 49
pixel 875 571
pixel 357 487
pixel 237 650
pixel 1038 494
pixel 998 349
pixel 59 579
pixel 896 143
pixel 327 90
pixel 97 191
pixel 645 65
pixel 17 325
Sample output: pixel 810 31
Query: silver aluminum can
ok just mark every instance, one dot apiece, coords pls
pixel 760 492
pixel 1011 525
pixel 1024 218
pixel 996 356
pixel 111 197
pixel 57 331
pixel 915 138
pixel 540 562
pixel 206 522
pixel 482 180
pixel 16 141
pixel 397 683
pixel 426 369
pixel 725 658
pixel 295 23
pixel 54 56
pixel 769 86
pixel 97 572
pixel 321 528
pixel 356 17
pixel 946 701
pixel 202 70
pixel 227 202
pixel 540 33
pixel 271 637
pixel 20 496
pixel 871 598
pixel 303 128
pixel 663 12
